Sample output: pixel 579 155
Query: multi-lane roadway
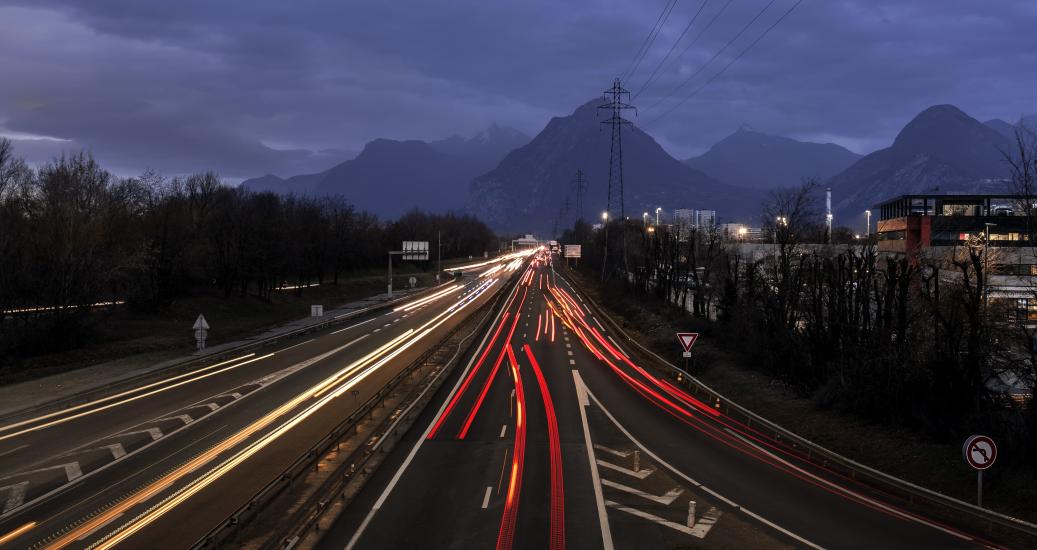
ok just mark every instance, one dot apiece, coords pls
pixel 554 436
pixel 160 465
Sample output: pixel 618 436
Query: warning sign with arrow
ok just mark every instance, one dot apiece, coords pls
pixel 687 339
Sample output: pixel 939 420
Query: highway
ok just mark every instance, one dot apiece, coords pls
pixel 161 464
pixel 552 436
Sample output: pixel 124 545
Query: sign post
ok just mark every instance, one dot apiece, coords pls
pixel 979 452
pixel 201 331
pixel 687 339
pixel 412 250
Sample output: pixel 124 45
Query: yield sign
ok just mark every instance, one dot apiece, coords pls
pixel 687 339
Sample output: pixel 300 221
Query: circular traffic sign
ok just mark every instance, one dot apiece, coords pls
pixel 979 451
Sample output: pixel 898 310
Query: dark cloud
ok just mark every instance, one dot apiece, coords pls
pixel 253 87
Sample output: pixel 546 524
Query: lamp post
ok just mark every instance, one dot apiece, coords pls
pixel 986 263
pixel 657 211
pixel 644 219
pixel 605 248
pixel 867 224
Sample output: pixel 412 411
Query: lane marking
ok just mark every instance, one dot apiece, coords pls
pixel 621 454
pixel 892 511
pixel 665 499
pixel 625 354
pixel 572 361
pixel 421 440
pixel 297 345
pixel 16 449
pixel 486 497
pixel 16 496
pixel 503 429
pixel 355 325
pixel 640 474
pixel 599 499
pixel 700 529
pixel 684 476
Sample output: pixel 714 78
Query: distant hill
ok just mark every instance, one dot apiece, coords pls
pixel 390 177
pixel 942 149
pixel 528 188
pixel 753 159
pixel 1004 128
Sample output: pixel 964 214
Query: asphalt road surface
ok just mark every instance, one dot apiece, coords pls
pixel 552 437
pixel 161 465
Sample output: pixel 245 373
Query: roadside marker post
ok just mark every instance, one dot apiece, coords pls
pixel 980 452
pixel 201 331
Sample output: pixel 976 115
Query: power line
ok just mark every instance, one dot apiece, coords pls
pixel 716 55
pixel 691 44
pixel 673 47
pixel 732 62
pixel 650 39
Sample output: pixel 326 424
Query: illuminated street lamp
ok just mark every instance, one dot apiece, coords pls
pixel 605 216
pixel 867 223
pixel 657 211
pixel 644 218
pixel 741 233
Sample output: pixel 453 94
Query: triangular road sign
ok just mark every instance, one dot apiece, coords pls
pixel 200 323
pixel 687 339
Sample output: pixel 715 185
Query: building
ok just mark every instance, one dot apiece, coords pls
pixel 933 226
pixel 695 219
pixel 526 241
pixel 740 232
pixel 910 223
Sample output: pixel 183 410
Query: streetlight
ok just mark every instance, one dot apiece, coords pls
pixel 644 218
pixel 657 211
pixel 867 224
pixel 741 233
pixel 986 263
pixel 605 216
pixel 605 247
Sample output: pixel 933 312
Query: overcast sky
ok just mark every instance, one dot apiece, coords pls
pixel 247 88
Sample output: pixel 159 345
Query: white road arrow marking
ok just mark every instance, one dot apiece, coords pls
pixel 622 454
pixel 640 474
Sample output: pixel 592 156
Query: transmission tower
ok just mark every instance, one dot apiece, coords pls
pixel 614 103
pixel 580 186
pixel 563 215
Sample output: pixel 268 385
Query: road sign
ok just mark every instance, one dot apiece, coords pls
pixel 979 451
pixel 687 339
pixel 572 251
pixel 201 331
pixel 317 311
pixel 414 281
pixel 415 250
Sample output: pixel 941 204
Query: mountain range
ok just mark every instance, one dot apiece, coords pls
pixel 942 149
pixel 748 158
pixel 390 177
pixel 530 186
pixel 517 183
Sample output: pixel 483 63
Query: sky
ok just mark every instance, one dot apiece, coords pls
pixel 264 86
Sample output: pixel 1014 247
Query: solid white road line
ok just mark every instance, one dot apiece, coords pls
pixel 677 472
pixel 873 502
pixel 503 429
pixel 18 448
pixel 621 350
pixel 486 497
pixel 599 499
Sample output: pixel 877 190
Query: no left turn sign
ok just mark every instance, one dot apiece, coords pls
pixel 980 451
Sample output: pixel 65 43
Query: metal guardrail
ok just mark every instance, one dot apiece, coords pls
pixel 128 383
pixel 225 534
pixel 978 517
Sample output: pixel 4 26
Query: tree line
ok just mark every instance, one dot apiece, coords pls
pixel 73 234
pixel 911 343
